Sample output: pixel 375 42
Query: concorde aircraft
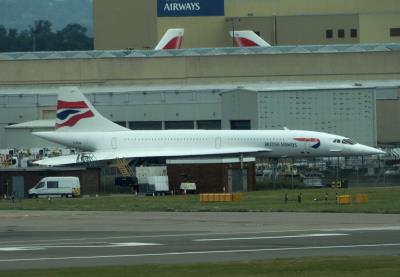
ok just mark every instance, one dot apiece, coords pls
pixel 79 125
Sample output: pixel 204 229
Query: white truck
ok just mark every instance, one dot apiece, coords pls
pixel 143 172
pixel 56 186
pixel 158 185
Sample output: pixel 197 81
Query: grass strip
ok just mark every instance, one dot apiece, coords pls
pixel 316 266
pixel 380 200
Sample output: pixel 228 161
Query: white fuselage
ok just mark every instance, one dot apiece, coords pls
pixel 270 143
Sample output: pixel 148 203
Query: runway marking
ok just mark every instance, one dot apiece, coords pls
pixel 11 249
pixel 124 244
pixel 204 252
pixel 114 237
pixel 383 228
pixel 276 237
pixel 44 247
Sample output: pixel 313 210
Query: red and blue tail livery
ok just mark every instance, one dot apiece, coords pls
pixel 69 113
pixel 316 142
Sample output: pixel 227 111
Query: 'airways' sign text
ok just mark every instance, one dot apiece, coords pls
pixel 182 6
pixel 175 8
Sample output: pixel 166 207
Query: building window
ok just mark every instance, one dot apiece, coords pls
pixel 48 114
pixel 240 125
pixel 145 125
pixel 209 124
pixel 329 33
pixel 353 33
pixel 175 125
pixel 121 123
pixel 395 32
pixel 340 33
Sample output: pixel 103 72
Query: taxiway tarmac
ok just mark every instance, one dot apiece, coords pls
pixel 45 239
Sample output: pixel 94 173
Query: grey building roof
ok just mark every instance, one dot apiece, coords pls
pixel 100 54
pixel 43 90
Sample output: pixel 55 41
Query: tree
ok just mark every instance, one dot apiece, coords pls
pixel 41 27
pixel 73 37
pixel 43 39
pixel 40 37
pixel 3 38
pixel 12 40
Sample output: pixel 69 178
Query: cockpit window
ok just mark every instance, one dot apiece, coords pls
pixel 348 141
pixel 336 141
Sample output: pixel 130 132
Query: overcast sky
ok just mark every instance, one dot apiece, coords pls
pixel 20 14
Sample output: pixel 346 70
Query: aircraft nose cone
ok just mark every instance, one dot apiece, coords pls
pixel 372 151
pixel 380 151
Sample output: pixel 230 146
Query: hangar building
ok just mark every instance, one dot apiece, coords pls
pixel 139 24
pixel 349 110
pixel 345 89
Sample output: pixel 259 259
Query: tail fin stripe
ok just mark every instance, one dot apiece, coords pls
pixel 71 105
pixel 172 39
pixel 65 113
pixel 74 119
pixel 174 43
pixel 244 42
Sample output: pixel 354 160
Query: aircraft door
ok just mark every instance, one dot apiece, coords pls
pixel 18 187
pixel 114 143
pixel 217 142
pixel 307 147
pixel 304 145
pixel 311 145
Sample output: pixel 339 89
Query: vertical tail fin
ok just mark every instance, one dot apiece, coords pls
pixel 172 39
pixel 247 39
pixel 76 114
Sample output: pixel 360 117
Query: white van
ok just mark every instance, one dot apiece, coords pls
pixel 56 186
